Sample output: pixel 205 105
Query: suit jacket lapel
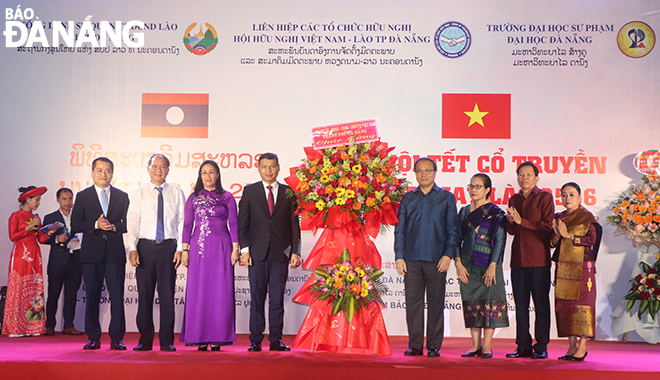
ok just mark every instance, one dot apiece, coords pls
pixel 281 195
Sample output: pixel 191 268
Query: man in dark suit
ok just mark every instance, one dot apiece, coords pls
pixel 63 266
pixel 269 235
pixel 100 214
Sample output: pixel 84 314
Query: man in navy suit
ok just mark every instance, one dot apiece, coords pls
pixel 269 235
pixel 63 266
pixel 100 214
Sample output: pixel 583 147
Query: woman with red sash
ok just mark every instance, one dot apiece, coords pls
pixel 24 307
pixel 479 266
pixel 576 238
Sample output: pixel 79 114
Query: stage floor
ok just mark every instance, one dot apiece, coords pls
pixel 62 357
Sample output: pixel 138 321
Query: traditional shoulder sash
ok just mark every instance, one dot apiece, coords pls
pixel 571 257
pixel 483 221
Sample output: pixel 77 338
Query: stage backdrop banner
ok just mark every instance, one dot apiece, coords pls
pixel 572 86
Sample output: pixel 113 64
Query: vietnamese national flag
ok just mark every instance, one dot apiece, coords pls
pixel 175 115
pixel 476 116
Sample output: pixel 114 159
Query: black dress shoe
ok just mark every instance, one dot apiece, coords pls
pixel 279 346
pixel 471 354
pixel 254 347
pixel 576 359
pixel 117 345
pixel 518 353
pixel 215 348
pixel 487 355
pixel 433 353
pixel 413 352
pixel 168 348
pixel 203 347
pixel 540 355
pixel 50 331
pixel 92 345
pixel 141 347
pixel 565 357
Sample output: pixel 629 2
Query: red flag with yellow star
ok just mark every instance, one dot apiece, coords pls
pixel 476 116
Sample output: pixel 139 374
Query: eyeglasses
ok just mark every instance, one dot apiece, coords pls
pixel 475 187
pixel 424 171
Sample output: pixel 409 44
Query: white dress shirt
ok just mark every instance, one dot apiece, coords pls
pixel 143 214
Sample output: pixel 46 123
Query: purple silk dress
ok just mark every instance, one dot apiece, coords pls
pixel 209 315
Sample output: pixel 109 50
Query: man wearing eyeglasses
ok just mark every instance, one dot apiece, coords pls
pixel 425 241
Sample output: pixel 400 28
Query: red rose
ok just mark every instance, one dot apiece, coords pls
pixel 650 282
pixel 656 291
pixel 634 288
pixel 652 270
pixel 638 278
pixel 645 296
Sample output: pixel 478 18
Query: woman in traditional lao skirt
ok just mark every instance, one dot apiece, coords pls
pixel 24 307
pixel 479 266
pixel 577 238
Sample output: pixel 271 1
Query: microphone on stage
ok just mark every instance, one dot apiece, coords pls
pixel 36 215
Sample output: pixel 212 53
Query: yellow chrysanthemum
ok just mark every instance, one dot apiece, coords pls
pixel 350 277
pixel 357 168
pixel 340 191
pixel 364 292
pixel 350 194
pixel 320 205
pixel 340 201
pixel 325 170
pixel 324 178
pixel 365 284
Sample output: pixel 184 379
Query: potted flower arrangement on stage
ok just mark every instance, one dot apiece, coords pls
pixel 646 288
pixel 350 191
pixel 636 214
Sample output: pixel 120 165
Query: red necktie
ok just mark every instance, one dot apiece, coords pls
pixel 271 199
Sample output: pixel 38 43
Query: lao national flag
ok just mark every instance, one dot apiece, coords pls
pixel 175 115
pixel 476 116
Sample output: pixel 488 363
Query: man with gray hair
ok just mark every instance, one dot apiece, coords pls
pixel 155 225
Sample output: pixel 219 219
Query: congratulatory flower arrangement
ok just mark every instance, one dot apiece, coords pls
pixel 646 288
pixel 636 213
pixel 349 286
pixel 348 184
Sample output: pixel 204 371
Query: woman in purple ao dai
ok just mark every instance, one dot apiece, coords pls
pixel 210 250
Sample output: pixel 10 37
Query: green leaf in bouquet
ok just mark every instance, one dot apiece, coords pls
pixel 645 267
pixel 653 308
pixel 350 308
pixel 642 308
pixel 630 305
pixel 345 256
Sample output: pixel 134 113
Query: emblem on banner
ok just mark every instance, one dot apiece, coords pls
pixel 453 39
pixel 635 39
pixel 202 42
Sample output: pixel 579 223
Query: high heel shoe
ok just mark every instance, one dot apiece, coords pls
pixel 487 355
pixel 215 348
pixel 565 357
pixel 202 347
pixel 577 359
pixel 471 354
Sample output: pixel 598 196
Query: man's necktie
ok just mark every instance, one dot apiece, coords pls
pixel 160 227
pixel 104 202
pixel 271 199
